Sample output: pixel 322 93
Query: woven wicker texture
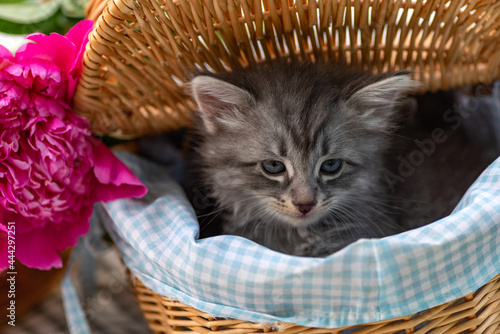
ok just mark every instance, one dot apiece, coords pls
pixel 478 312
pixel 141 51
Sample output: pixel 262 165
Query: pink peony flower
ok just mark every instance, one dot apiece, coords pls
pixel 51 169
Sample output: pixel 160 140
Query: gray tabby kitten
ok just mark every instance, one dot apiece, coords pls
pixel 296 155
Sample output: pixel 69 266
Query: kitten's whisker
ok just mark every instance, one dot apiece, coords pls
pixel 211 220
pixel 261 221
pixel 339 236
pixel 370 203
pixel 225 207
pixel 377 217
pixel 219 211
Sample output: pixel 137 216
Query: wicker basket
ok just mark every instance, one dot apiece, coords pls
pixel 141 51
pixel 477 312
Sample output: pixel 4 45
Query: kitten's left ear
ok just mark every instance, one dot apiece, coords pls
pixel 219 102
pixel 377 102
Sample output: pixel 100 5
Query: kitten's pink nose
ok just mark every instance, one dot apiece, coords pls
pixel 304 208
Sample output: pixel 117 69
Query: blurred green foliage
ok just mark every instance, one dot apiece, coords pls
pixel 45 16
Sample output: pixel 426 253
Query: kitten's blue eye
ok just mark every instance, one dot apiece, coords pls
pixel 273 166
pixel 331 166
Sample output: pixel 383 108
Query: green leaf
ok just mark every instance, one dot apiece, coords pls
pixel 56 23
pixel 29 16
pixel 74 8
pixel 28 12
pixel 19 1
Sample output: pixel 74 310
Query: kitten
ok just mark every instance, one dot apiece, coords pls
pixel 297 156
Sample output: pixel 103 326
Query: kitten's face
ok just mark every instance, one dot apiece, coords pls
pixel 294 154
pixel 292 172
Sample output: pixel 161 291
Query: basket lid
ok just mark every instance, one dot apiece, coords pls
pixel 140 52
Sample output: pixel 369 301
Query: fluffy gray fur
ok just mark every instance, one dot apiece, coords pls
pixel 301 115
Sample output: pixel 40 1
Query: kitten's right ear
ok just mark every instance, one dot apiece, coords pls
pixel 377 102
pixel 219 102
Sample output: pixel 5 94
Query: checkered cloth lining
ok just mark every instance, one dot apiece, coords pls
pixel 370 280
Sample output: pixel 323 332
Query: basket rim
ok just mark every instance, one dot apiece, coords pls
pixel 469 307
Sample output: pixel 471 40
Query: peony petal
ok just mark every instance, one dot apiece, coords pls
pixel 6 57
pixel 19 177
pixel 115 180
pixel 15 70
pixel 79 35
pixel 15 98
pixel 53 49
pixel 22 165
pixel 40 247
pixel 36 249
pixel 47 107
pixel 23 224
pixel 5 54
pixel 6 192
pixel 44 71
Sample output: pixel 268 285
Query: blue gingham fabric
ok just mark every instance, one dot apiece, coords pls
pixel 72 308
pixel 370 280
